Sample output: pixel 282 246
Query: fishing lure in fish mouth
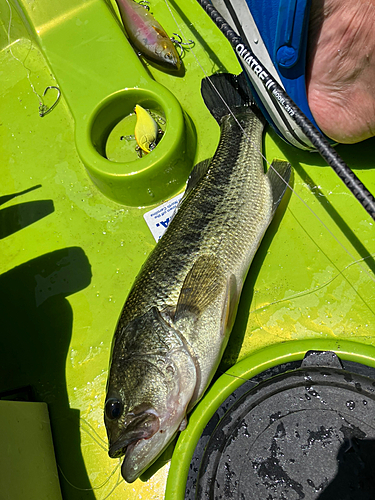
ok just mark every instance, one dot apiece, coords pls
pixel 147 35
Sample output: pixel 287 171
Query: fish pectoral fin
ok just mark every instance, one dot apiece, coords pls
pixel 202 284
pixel 278 175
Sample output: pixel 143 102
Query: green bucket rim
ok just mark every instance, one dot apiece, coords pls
pixel 233 378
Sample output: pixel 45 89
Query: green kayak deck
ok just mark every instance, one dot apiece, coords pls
pixel 73 236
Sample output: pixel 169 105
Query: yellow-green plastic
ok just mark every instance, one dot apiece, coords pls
pixel 27 459
pixel 73 238
pixel 102 79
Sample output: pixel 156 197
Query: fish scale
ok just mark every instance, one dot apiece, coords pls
pixel 214 204
pixel 176 321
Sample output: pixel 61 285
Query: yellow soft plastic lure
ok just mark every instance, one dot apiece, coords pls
pixel 146 130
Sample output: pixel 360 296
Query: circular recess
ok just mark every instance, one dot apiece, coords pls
pixel 109 153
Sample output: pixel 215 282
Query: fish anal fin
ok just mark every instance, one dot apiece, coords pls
pixel 278 175
pixel 202 284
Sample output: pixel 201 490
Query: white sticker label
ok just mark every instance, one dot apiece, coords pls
pixel 158 218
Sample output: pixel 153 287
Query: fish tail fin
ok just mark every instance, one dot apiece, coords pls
pixel 224 93
pixel 278 175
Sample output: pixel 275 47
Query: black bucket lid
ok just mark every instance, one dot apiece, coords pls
pixel 301 430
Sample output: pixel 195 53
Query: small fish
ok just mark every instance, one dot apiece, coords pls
pixel 147 35
pixel 176 321
pixel 146 130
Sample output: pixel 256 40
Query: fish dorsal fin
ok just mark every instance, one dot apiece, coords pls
pixel 278 180
pixel 198 171
pixel 202 285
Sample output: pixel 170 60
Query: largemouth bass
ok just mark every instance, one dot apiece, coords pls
pixel 147 35
pixel 175 323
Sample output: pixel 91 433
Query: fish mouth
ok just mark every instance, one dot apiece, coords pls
pixel 128 473
pixel 137 427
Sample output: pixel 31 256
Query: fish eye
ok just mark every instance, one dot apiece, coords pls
pixel 113 409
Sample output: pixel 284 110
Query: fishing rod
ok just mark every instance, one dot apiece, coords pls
pixel 278 94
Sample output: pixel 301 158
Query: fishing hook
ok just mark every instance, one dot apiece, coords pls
pixel 178 41
pixel 43 109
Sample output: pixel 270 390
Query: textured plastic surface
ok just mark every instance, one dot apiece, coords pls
pixel 293 431
pixel 69 254
pixel 219 423
pixel 27 460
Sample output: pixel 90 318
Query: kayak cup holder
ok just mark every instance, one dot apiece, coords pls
pixel 107 147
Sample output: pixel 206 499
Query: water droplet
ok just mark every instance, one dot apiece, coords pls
pixel 364 402
pixel 350 404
